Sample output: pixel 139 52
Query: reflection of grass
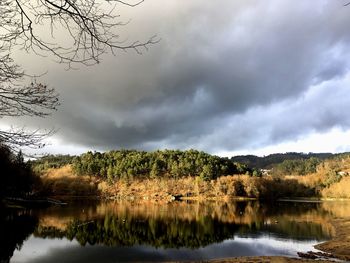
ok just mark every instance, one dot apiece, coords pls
pixel 252 217
pixel 190 225
pixel 338 209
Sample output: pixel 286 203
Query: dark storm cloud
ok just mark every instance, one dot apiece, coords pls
pixel 225 75
pixel 321 108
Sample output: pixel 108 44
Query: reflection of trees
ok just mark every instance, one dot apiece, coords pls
pixel 130 225
pixel 114 231
pixel 297 230
pixel 174 225
pixel 15 227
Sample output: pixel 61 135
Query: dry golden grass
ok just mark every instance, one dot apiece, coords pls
pixel 63 182
pixel 317 180
pixel 65 171
pixel 310 180
pixel 338 190
pixel 222 188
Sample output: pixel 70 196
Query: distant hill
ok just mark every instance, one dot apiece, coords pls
pixel 128 164
pixel 267 162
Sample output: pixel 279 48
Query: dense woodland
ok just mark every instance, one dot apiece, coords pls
pixel 296 167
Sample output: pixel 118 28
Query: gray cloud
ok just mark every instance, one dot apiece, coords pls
pixel 226 75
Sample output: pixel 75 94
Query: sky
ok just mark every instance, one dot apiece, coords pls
pixel 227 77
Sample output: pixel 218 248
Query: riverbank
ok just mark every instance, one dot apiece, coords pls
pixel 63 182
pixel 339 245
pixel 266 260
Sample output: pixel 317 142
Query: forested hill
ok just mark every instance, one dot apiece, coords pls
pixel 267 162
pixel 136 164
pixel 170 163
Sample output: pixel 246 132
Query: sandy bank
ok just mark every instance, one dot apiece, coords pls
pixel 340 244
pixel 264 259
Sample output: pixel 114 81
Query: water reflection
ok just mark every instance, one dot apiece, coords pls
pixel 64 251
pixel 15 227
pixel 120 231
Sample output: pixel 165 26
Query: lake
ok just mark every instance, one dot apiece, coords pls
pixel 138 231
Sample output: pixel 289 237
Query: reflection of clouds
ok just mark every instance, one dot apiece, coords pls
pixel 276 246
pixel 55 250
pixel 87 254
pixel 39 247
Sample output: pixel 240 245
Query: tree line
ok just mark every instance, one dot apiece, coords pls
pixel 129 164
pixel 17 177
pixel 296 167
pixel 50 161
pixel 271 160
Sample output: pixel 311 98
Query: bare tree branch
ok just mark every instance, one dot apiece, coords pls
pixel 33 100
pixel 88 29
pixel 88 25
pixel 16 138
pixel 17 99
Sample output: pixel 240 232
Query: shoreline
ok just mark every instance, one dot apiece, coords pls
pixel 170 198
pixel 339 245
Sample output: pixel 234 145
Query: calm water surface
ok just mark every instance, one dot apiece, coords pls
pixel 122 231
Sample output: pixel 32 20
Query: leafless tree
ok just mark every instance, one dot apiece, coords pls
pixel 88 29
